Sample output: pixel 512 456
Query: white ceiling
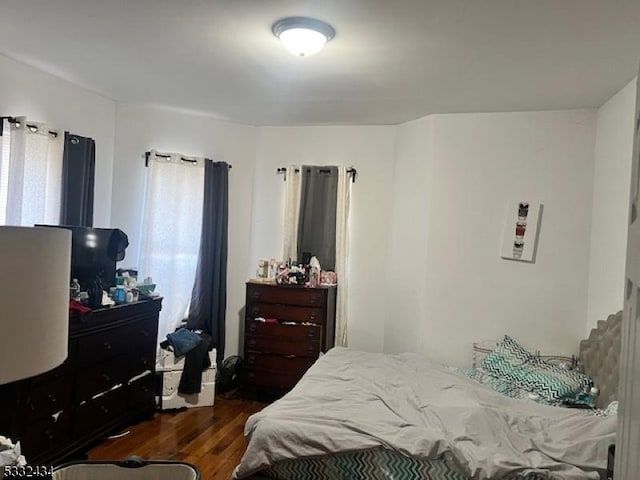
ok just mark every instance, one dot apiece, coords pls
pixel 391 60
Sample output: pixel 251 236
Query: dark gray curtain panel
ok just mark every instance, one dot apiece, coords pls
pixel 317 226
pixel 78 177
pixel 209 297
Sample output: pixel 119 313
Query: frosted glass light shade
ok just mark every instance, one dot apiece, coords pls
pixel 302 41
pixel 34 300
pixel 303 36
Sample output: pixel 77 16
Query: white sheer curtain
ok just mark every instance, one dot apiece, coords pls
pixel 30 173
pixel 171 226
pixel 342 254
pixel 292 195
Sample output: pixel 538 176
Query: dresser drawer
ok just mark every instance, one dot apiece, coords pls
pixel 279 363
pixel 299 333
pixel 99 346
pixel 48 434
pixel 287 313
pixel 273 378
pixel 49 397
pixel 142 393
pixel 281 346
pixel 286 295
pixel 136 364
pixel 100 378
pixel 100 412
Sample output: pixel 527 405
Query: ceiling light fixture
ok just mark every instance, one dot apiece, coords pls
pixel 303 36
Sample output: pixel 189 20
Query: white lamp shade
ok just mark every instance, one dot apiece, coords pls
pixel 34 300
pixel 303 41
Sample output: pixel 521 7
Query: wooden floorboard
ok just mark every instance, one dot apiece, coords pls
pixel 211 438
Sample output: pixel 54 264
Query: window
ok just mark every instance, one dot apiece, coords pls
pixel 30 173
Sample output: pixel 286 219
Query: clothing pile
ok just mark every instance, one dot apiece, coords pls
pixel 194 345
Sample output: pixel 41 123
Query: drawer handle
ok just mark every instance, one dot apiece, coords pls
pixel 106 377
pixel 107 346
pixel 255 311
pixel 312 316
pixel 252 360
pixel 253 327
pixel 48 434
pixel 252 375
pixel 252 343
pixel 104 409
pixel 144 333
pixel 52 398
pixel 311 334
pixel 255 295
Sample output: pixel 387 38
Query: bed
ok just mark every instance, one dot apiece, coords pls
pixel 358 415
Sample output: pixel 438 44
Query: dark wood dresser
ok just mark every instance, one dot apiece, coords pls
pixel 286 328
pixel 106 382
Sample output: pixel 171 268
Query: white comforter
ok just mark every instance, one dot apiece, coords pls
pixel 351 400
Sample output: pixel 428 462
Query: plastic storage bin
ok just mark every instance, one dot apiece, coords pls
pixel 170 367
pixel 132 468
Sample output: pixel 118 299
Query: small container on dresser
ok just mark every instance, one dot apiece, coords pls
pixel 286 329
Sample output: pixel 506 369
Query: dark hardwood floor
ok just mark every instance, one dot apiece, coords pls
pixel 212 438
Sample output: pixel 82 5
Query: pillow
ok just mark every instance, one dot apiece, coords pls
pixel 506 358
pixel 612 408
pixel 551 382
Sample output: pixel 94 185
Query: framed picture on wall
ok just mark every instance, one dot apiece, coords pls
pixel 520 237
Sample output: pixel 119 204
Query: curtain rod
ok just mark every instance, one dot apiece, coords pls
pixel 15 120
pixel 352 171
pixel 161 155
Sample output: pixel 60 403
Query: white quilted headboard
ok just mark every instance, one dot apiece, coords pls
pixel 599 357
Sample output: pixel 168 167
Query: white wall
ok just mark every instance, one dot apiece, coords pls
pixel 140 129
pixel 612 180
pixel 474 165
pixel 44 98
pixel 427 213
pixel 370 149
pixel 409 240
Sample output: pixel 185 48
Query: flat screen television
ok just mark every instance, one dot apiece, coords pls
pixel 94 252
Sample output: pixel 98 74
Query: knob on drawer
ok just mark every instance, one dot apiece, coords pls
pixel 255 311
pixel 253 327
pixel 106 345
pixel 251 360
pixel 252 343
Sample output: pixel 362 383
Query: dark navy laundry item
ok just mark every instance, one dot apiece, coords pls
pixel 183 341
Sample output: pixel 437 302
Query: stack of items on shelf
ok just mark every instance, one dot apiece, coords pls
pixel 308 273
